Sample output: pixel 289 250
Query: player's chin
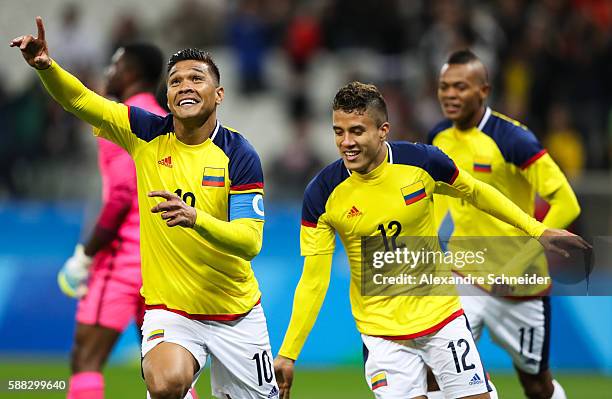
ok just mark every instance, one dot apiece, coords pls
pixel 352 165
pixel 191 114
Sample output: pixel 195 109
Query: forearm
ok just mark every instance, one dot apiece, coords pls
pixel 489 200
pixel 99 239
pixel 110 220
pixel 72 95
pixel 564 208
pixel 241 237
pixel 309 295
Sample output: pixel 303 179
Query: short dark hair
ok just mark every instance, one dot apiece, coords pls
pixel 198 55
pixel 147 59
pixel 361 97
pixel 464 56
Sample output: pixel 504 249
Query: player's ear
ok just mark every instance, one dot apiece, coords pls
pixel 485 89
pixel 219 95
pixel 383 131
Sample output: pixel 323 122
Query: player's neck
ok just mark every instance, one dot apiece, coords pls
pixel 194 133
pixel 381 157
pixel 473 121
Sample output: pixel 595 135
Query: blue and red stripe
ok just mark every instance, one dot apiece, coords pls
pixel 379 383
pixel 414 197
pixel 482 167
pixel 214 181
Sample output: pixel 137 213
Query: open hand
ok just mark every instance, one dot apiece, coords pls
pixel 283 368
pixel 34 49
pixel 558 241
pixel 174 210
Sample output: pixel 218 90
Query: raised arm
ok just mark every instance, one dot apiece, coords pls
pixel 63 87
pixel 110 119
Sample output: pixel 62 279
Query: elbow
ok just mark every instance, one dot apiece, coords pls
pixel 251 251
pixel 575 211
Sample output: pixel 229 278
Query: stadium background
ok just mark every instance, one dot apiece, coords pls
pixel 281 62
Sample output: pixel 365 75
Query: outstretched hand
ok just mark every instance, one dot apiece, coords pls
pixel 34 49
pixel 174 210
pixel 558 241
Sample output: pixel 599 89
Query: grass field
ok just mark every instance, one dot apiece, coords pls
pixel 340 383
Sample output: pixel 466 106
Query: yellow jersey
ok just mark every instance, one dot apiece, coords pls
pixel 361 205
pixel 506 155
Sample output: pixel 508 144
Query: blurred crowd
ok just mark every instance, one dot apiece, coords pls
pixel 549 64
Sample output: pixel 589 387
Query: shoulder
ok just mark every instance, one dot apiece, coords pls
pixel 232 143
pixel 147 125
pixel 515 141
pixel 427 157
pixel 244 165
pixel 320 188
pixel 437 129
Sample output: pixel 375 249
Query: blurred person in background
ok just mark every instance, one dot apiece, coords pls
pixel 104 272
pixel 505 154
pixel 249 36
pixel 564 142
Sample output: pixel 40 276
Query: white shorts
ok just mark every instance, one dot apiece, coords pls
pixel 520 327
pixel 397 369
pixel 240 353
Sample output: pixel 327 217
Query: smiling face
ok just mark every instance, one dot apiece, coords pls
pixel 193 92
pixel 462 91
pixel 360 141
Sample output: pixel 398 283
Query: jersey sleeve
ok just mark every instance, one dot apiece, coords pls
pixel 123 125
pixel 489 200
pixel 143 126
pixel 317 236
pixel 544 175
pixel 518 144
pixel 245 171
pixel 440 166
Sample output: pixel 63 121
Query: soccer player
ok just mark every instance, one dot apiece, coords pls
pixel 505 154
pixel 369 192
pixel 105 271
pixel 200 194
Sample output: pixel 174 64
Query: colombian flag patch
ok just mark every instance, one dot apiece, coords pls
pixel 213 177
pixel 379 380
pixel 414 192
pixel 482 165
pixel 155 334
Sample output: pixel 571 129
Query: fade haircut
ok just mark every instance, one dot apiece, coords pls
pixel 360 98
pixel 466 56
pixel 147 59
pixel 198 55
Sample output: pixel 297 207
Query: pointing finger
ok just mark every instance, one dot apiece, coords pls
pixel 163 194
pixel 41 28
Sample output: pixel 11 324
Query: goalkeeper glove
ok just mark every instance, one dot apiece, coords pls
pixel 73 276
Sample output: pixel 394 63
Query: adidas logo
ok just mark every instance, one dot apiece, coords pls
pixel 353 212
pixel 475 380
pixel 273 393
pixel 166 162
